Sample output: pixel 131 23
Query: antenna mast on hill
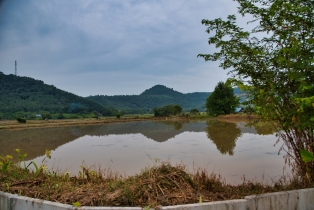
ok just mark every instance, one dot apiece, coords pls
pixel 15 68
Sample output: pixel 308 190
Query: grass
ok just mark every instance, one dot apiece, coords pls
pixel 162 184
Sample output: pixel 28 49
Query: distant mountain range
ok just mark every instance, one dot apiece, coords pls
pixel 157 96
pixel 24 94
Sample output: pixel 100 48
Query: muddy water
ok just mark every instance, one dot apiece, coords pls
pixel 233 150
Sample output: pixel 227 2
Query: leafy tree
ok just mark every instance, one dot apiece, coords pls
pixel 46 115
pixel 222 100
pixel 274 63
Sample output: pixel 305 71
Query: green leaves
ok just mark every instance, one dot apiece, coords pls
pixel 222 100
pixel 307 156
pixel 275 60
pixel 5 167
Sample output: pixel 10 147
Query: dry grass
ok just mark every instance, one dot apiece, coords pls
pixel 240 116
pixel 162 184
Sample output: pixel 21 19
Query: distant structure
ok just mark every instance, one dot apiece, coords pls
pixel 15 68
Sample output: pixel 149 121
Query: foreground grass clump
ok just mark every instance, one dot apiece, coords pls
pixel 162 184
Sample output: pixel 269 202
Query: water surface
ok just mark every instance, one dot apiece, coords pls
pixel 233 150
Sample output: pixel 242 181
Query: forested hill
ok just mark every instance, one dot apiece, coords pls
pixel 24 94
pixel 156 96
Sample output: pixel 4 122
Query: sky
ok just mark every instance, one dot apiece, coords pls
pixel 112 47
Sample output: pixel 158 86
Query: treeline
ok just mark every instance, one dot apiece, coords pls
pixel 24 96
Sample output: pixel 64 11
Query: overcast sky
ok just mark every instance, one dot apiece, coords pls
pixel 111 47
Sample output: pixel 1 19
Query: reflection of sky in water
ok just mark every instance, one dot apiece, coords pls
pixel 252 155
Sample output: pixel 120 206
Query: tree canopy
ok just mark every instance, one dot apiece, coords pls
pixel 222 100
pixel 168 110
pixel 274 63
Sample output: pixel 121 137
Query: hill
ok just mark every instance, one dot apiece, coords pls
pixel 27 95
pixel 157 96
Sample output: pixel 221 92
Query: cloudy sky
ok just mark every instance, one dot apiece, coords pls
pixel 111 47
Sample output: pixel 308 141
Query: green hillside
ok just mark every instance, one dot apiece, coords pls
pixel 156 96
pixel 24 96
pixel 27 95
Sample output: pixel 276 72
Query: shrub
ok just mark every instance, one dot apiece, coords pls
pixel 168 110
pixel 194 111
pixel 21 120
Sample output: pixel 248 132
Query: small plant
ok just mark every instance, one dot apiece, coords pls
pixel 21 120
pixel 76 204
pixel 5 162
pixel 147 207
pixel 307 156
pixel 39 169
pixel 200 200
pixel 118 115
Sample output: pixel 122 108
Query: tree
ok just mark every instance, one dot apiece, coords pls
pixel 274 63
pixel 222 100
pixel 168 110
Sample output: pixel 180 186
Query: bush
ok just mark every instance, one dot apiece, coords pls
pixel 21 120
pixel 46 116
pixel 194 111
pixel 60 116
pixel 168 110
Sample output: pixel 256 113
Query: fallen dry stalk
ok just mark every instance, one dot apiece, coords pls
pixel 162 184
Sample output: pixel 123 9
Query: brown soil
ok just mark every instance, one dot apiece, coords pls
pixel 11 124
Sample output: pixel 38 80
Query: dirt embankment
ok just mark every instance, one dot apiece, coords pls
pixel 12 124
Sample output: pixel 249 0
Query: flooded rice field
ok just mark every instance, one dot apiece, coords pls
pixel 233 150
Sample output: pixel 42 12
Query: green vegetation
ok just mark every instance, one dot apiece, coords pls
pixel 32 99
pixel 156 96
pixel 168 110
pixel 26 97
pixel 273 62
pixel 21 120
pixel 194 111
pixel 162 184
pixel 307 156
pixel 222 100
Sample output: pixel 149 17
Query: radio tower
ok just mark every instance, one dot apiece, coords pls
pixel 15 68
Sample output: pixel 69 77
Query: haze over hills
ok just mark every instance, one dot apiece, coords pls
pixel 157 96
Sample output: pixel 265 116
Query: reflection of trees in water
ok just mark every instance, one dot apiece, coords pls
pixel 224 135
pixel 264 128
